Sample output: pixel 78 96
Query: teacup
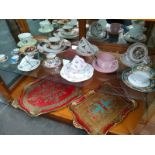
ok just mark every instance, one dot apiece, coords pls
pixel 25 37
pixel 68 29
pixel 139 79
pixel 142 75
pixel 106 61
pixel 50 56
pixel 45 25
pixel 55 42
pixel 2 57
pixel 14 59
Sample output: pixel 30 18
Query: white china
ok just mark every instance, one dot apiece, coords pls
pixel 65 44
pixel 77 70
pixel 55 42
pixel 139 79
pixel 25 37
pixel 30 43
pixel 74 34
pixel 52 63
pixel 3 58
pixel 28 64
pixel 50 55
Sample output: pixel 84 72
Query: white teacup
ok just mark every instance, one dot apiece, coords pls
pixel 50 56
pixel 45 25
pixel 139 78
pixel 25 37
pixel 55 42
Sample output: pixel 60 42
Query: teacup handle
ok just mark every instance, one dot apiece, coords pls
pixel 114 63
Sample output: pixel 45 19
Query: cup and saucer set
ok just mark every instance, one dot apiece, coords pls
pixel 54 45
pixel 85 48
pixel 52 61
pixel 67 32
pixel 97 30
pixel 136 54
pixel 77 70
pixel 45 27
pixel 3 58
pixel 136 32
pixel 105 63
pixel 26 39
pixel 140 78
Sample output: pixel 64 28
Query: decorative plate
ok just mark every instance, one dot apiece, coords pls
pixel 96 29
pixel 85 48
pixel 65 44
pixel 128 72
pixel 31 43
pixel 43 96
pixel 85 74
pixel 137 52
pixel 28 64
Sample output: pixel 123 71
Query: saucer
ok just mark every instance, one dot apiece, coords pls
pixel 65 44
pixel 126 61
pixel 144 88
pixel 60 34
pixel 4 60
pixel 46 30
pixel 87 53
pixel 31 43
pixel 100 36
pixel 128 38
pixel 28 64
pixel 84 75
pixel 138 79
pixel 99 69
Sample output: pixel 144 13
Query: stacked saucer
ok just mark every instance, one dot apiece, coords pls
pixel 105 63
pixel 77 70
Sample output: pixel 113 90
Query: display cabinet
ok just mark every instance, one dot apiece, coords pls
pixel 105 83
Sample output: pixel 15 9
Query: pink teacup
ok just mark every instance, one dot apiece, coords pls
pixel 106 61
